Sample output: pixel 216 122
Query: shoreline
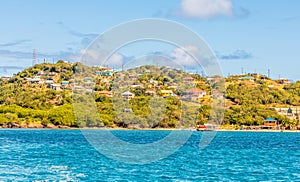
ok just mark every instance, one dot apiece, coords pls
pixel 140 129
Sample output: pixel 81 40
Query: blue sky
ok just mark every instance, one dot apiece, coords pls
pixel 254 35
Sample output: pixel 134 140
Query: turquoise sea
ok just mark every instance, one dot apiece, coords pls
pixel 65 155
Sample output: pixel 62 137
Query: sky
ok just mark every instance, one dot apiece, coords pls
pixel 246 36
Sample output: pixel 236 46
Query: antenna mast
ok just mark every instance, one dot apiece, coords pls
pixel 34 57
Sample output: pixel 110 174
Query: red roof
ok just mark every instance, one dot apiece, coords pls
pixel 195 90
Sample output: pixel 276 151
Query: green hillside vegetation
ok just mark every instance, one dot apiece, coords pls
pixel 42 96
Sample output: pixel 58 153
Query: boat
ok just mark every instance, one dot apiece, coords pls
pixel 205 127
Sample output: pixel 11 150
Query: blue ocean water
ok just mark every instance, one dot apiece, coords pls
pixel 65 155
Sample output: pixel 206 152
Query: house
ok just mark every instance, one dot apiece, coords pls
pixel 40 73
pixel 193 94
pixel 174 95
pixel 107 73
pixel 217 95
pixel 49 82
pixel 127 110
pixel 77 87
pixel 256 76
pixel 37 80
pixel 153 82
pixel 56 87
pixel 133 76
pixel 88 79
pixel 6 77
pixel 53 74
pixel 270 123
pixel 166 93
pixel 106 93
pixel 246 77
pixel 213 79
pixel 173 86
pixel 65 83
pixel 127 95
pixel 199 82
pixel 188 79
pixel 136 86
pixel 283 81
pixel 150 92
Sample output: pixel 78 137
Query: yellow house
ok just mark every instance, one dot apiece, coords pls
pixel 166 93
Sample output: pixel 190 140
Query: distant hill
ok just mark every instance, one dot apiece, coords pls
pixel 41 96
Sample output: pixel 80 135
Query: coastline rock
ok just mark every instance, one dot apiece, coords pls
pixel 34 125
pixel 50 125
pixel 63 127
pixel 23 125
pixel 4 125
pixel 12 125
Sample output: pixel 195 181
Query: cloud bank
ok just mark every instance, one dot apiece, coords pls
pixel 238 54
pixel 206 8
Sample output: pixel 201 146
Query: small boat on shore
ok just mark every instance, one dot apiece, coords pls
pixel 206 127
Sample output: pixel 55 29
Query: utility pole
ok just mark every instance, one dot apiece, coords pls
pixel 268 73
pixel 34 57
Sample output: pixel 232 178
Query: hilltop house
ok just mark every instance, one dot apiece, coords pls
pixel 6 77
pixel 283 81
pixel 246 77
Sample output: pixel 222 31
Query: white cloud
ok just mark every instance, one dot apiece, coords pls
pixel 182 56
pixel 93 57
pixel 206 8
pixel 115 60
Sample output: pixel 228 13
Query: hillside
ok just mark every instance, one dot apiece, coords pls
pixel 41 96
